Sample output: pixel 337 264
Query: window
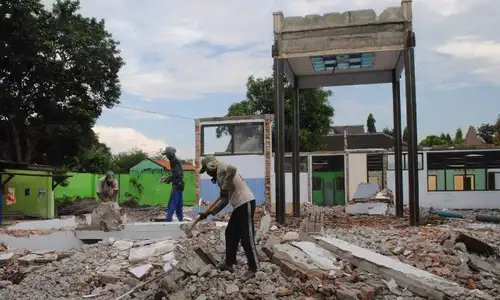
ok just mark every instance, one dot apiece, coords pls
pixel 232 139
pixel 340 184
pixel 391 163
pixel 463 183
pixel 493 181
pixel 289 162
pixel 317 183
pixel 431 183
pixel 373 179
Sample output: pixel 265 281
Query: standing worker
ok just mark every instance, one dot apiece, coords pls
pixel 235 191
pixel 176 201
pixel 107 189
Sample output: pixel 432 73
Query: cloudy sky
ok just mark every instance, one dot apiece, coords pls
pixel 192 58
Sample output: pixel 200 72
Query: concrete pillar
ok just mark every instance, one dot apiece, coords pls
pixel 411 116
pixel 279 153
pixel 296 150
pixel 398 144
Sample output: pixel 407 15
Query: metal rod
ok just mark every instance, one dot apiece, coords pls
pixel 279 111
pixel 411 116
pixel 296 150
pixel 398 144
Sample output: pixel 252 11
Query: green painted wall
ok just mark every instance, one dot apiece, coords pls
pixel 84 185
pixel 479 178
pixel 156 193
pixel 317 195
pixel 145 165
pixel 34 196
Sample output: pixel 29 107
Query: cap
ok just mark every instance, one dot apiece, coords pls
pixel 205 161
pixel 169 151
pixel 110 175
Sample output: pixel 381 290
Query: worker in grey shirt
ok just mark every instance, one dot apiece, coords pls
pixel 234 191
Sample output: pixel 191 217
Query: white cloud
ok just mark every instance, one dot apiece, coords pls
pixel 479 58
pixel 171 47
pixel 121 139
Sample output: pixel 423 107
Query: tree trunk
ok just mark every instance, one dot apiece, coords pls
pixel 17 141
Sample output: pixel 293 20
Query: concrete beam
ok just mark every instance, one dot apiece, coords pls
pixel 329 20
pixel 136 231
pixel 344 79
pixel 370 38
pixel 418 281
pixel 400 65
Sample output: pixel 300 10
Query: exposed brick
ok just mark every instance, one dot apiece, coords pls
pixel 197 156
pixel 268 157
pixel 384 170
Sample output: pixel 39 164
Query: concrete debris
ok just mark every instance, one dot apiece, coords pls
pixel 290 268
pixel 106 217
pixel 369 201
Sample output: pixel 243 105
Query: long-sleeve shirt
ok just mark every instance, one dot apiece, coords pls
pixel 233 188
pixel 177 176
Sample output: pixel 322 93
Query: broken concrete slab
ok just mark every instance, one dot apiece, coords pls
pixel 298 260
pixel 123 245
pixel 141 271
pixel 6 257
pixel 106 217
pixel 369 208
pixel 136 231
pixel 58 241
pixel 417 281
pixel 156 249
pixel 69 223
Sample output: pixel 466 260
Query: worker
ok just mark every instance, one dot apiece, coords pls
pixel 176 201
pixel 234 191
pixel 107 189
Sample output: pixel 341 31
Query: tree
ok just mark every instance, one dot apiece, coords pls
pixel 388 131
pixel 370 124
pixel 122 162
pixel 487 132
pixel 405 134
pixel 316 112
pixel 96 158
pixel 57 73
pixel 434 140
pixel 459 137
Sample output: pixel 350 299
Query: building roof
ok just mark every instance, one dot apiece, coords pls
pixel 377 140
pixel 24 166
pixel 166 165
pixel 351 129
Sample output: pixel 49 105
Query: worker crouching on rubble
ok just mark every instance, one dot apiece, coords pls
pixel 107 189
pixel 176 201
pixel 234 191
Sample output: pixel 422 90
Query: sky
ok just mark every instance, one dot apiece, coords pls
pixel 192 59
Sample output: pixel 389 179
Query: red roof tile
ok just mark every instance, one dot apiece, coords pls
pixel 166 165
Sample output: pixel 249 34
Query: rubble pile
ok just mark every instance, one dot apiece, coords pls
pixel 185 269
pixel 455 253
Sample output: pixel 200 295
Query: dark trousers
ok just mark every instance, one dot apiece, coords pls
pixel 241 228
pixel 175 204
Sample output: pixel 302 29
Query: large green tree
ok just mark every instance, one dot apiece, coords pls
pixel 58 70
pixel 459 137
pixel 316 113
pixel 370 124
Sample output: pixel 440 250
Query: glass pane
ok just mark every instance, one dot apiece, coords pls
pixel 213 144
pixel 248 138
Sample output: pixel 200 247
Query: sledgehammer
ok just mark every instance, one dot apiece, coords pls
pixel 187 228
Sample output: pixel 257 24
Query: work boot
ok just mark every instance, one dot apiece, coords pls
pixel 248 275
pixel 225 267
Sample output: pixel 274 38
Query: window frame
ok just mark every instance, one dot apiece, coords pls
pixel 303 160
pixel 405 161
pixel 436 178
pixel 231 127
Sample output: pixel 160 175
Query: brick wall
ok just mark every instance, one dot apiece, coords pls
pixel 197 156
pixel 268 154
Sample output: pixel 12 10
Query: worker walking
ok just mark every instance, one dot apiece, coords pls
pixel 176 201
pixel 234 191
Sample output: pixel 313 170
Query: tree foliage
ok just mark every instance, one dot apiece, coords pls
pixel 490 133
pixel 57 73
pixel 122 162
pixel 316 113
pixel 459 137
pixel 370 124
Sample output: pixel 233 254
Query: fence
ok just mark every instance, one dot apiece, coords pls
pixel 84 185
